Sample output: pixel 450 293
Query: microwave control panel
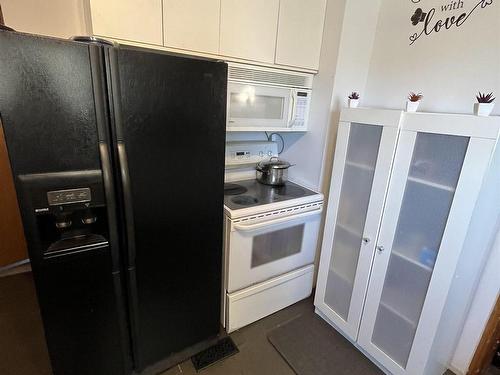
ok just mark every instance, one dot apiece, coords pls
pixel 303 100
pixel 239 153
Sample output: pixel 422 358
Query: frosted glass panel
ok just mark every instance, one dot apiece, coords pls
pixel 256 106
pixel 434 165
pixel 276 245
pixel 362 152
pixel 434 173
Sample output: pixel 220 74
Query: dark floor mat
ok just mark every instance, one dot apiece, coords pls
pixel 223 349
pixel 312 347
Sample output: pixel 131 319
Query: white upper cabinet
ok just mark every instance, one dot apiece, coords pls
pixel 284 33
pixel 192 24
pixel 300 32
pixel 134 20
pixel 248 29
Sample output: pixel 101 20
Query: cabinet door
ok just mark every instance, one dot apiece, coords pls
pixel 134 20
pixel 192 24
pixel 300 31
pixel 248 29
pixel 363 160
pixel 434 185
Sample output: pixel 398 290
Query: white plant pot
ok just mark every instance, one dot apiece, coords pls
pixel 483 109
pixel 353 103
pixel 412 106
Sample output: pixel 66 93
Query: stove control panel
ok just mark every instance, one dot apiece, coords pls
pixel 252 152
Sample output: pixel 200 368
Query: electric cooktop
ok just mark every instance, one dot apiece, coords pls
pixel 248 193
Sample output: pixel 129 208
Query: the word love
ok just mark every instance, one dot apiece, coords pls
pixel 431 25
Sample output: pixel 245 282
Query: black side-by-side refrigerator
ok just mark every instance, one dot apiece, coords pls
pixel 118 159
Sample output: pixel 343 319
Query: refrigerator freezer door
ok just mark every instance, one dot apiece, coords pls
pixel 169 116
pixel 50 118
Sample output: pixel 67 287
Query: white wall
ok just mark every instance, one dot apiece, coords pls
pixel 482 306
pixel 476 282
pixel 58 18
pixel 306 150
pixel 448 67
pixel 356 45
pixel 345 55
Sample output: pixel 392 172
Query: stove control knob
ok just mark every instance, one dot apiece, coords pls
pixel 269 153
pixel 261 154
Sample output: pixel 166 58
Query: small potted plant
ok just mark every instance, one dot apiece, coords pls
pixel 484 105
pixel 353 101
pixel 413 101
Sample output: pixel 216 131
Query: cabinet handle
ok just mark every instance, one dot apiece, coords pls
pixel 366 240
pixel 380 249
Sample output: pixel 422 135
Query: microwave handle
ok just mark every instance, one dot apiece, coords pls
pixel 291 118
pixel 252 227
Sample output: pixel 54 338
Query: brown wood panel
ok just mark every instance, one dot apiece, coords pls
pixel 12 241
pixel 488 344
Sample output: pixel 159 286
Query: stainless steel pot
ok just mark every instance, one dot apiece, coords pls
pixel 273 172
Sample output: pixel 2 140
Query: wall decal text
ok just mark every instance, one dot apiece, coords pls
pixel 429 22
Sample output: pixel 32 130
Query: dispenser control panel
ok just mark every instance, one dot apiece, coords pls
pixel 59 197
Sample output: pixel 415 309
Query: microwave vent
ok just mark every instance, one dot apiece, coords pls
pixel 269 77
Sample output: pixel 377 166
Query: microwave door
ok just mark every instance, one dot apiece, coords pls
pixel 254 107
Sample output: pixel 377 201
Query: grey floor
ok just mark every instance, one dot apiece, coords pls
pixel 257 356
pixel 23 350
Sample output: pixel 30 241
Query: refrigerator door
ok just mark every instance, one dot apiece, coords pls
pixel 169 114
pixel 56 139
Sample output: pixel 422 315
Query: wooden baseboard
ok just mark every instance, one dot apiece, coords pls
pixel 13 248
pixel 488 344
pixel 15 268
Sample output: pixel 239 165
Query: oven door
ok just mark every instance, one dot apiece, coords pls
pixel 261 250
pixel 258 108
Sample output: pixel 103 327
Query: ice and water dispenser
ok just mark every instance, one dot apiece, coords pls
pixel 69 211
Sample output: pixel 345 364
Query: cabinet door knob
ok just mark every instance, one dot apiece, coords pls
pixel 366 240
pixel 380 249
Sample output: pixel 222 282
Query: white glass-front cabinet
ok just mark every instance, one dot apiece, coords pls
pixel 366 142
pixel 387 292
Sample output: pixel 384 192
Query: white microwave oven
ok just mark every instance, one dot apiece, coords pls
pixel 266 99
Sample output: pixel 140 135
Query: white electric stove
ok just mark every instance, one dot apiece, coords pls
pixel 270 238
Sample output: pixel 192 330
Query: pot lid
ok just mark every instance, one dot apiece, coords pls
pixel 273 163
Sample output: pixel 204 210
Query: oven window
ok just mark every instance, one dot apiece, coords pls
pixel 247 106
pixel 276 245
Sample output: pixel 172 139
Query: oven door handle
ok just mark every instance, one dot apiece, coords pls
pixel 252 227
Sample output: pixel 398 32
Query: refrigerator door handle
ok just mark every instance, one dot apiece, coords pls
pixel 127 202
pixel 102 115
